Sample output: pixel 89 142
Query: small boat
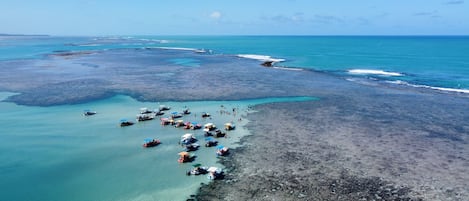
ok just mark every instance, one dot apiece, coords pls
pixel 209 127
pixel 185 157
pixel 145 117
pixel 195 126
pixel 215 173
pixel 175 115
pixel 89 112
pixel 229 126
pixel 218 133
pixel 159 112
pixel 125 122
pixel 186 111
pixel 164 107
pixel 222 150
pixel 145 110
pixel 179 123
pixel 208 134
pixel 165 121
pixel 210 142
pixel 188 138
pixel 192 147
pixel 150 142
pixel 197 170
pixel 205 115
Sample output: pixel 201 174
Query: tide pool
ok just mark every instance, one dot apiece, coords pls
pixel 56 153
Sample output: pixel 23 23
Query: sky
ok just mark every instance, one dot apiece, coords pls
pixel 235 17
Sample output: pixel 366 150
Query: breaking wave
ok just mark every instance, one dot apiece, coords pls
pixel 373 72
pixel 400 82
pixel 260 57
pixel 183 49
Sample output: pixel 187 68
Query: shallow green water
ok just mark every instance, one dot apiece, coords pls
pixel 56 153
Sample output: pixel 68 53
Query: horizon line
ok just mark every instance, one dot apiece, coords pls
pixel 229 35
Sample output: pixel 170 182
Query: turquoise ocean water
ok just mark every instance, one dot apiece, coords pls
pixel 55 153
pixel 441 62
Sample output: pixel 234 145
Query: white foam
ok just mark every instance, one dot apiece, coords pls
pixel 286 68
pixel 260 57
pixel 466 91
pixel 373 72
pixel 179 48
pixel 90 45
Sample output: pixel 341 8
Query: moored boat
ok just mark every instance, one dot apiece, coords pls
pixel 205 115
pixel 209 127
pixel 229 126
pixel 210 142
pixel 145 117
pixel 192 147
pixel 222 150
pixel 197 170
pixel 125 122
pixel 188 138
pixel 185 157
pixel 215 173
pixel 89 112
pixel 219 133
pixel 145 110
pixel 176 115
pixel 179 123
pixel 151 142
pixel 164 107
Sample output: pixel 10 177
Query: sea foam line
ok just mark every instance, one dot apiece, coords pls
pixel 288 68
pixel 400 82
pixel 182 48
pixel 260 57
pixel 373 72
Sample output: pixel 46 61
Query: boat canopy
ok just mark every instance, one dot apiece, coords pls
pixel 212 169
pixel 187 135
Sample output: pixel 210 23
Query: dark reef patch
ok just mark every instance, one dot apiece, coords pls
pixel 66 92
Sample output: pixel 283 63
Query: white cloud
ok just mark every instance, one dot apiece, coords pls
pixel 215 15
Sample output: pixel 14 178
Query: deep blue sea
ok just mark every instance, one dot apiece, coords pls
pixel 55 153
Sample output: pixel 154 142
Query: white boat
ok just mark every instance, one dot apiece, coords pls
pixel 214 173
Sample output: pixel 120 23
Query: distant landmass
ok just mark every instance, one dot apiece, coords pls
pixel 3 34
